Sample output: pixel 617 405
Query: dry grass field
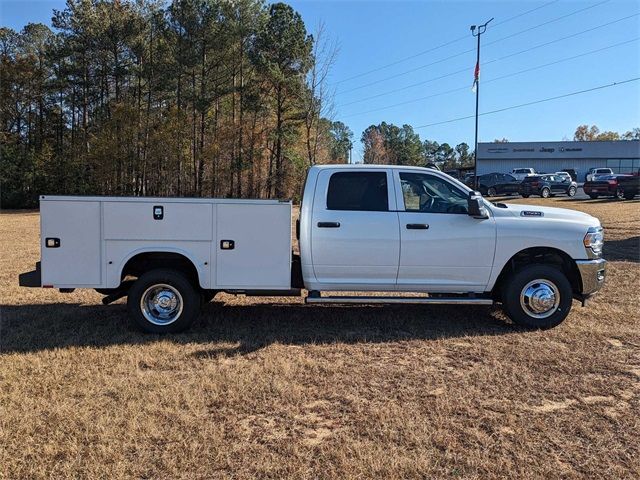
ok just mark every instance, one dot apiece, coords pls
pixel 271 388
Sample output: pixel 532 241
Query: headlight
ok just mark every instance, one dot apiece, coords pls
pixel 594 240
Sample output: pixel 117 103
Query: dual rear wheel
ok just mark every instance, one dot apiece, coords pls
pixel 163 301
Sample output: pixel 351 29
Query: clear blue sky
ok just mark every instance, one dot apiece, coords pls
pixel 373 34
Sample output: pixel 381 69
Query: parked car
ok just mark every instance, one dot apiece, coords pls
pixel 363 228
pixel 604 186
pixel 547 186
pixel 572 172
pixel 629 187
pixel 594 173
pixel 521 173
pixel 453 173
pixel 493 184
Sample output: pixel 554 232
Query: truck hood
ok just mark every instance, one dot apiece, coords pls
pixel 534 212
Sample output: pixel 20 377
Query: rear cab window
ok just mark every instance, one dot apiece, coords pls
pixel 361 191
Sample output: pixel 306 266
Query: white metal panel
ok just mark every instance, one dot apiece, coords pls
pixel 181 221
pixel 76 262
pixel 261 257
pixel 118 252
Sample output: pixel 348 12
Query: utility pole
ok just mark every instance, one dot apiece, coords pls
pixel 477 31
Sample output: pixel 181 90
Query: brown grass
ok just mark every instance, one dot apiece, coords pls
pixel 271 388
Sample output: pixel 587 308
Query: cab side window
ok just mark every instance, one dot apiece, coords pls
pixel 430 194
pixel 366 191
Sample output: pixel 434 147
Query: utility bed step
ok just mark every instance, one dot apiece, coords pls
pixel 389 299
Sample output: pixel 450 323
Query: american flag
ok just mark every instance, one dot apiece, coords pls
pixel 476 74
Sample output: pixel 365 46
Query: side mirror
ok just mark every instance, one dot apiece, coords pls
pixel 475 206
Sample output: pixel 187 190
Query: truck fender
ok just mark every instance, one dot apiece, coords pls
pixel 203 278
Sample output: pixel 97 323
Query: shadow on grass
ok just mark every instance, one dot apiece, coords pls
pixel 626 250
pixel 32 328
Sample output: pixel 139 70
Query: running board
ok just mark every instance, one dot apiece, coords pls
pixel 428 300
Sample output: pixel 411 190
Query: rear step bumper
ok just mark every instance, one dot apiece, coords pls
pixel 408 300
pixel 32 278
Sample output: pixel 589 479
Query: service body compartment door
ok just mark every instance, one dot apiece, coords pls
pixel 253 245
pixel 70 243
pixel 158 220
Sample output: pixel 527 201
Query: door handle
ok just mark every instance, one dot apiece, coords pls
pixel 417 226
pixel 328 224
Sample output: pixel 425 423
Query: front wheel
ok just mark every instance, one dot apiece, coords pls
pixel 571 192
pixel 538 296
pixel 545 193
pixel 620 193
pixel 491 192
pixel 593 196
pixel 163 301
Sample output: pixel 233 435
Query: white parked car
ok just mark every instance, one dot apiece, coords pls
pixel 564 175
pixel 367 228
pixel 597 172
pixel 521 173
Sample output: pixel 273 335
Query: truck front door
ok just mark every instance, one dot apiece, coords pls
pixel 442 248
pixel 355 240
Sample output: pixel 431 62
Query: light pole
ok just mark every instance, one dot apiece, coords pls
pixel 477 31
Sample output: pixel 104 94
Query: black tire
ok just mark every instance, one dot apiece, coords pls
pixel 174 285
pixel 491 192
pixel 572 191
pixel 514 287
pixel 525 195
pixel 545 192
pixel 593 196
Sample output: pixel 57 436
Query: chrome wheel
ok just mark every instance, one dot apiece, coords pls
pixel 161 304
pixel 572 191
pixel 491 192
pixel 545 193
pixel 540 298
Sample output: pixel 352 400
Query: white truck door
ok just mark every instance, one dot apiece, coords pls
pixel 355 242
pixel 442 248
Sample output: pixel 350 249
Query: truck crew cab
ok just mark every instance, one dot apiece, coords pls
pixel 366 228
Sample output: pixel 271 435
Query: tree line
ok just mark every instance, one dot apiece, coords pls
pixel 193 98
pixel 387 143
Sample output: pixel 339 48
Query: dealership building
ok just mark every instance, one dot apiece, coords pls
pixel 621 156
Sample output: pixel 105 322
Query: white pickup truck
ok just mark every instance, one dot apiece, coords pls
pixel 400 230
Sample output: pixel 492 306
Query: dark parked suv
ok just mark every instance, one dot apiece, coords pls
pixel 547 186
pixel 493 184
pixel 629 187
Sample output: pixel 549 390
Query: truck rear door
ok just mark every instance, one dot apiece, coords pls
pixel 355 241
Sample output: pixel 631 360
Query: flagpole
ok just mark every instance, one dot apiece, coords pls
pixel 477 32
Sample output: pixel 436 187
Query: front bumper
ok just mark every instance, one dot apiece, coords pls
pixel 592 275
